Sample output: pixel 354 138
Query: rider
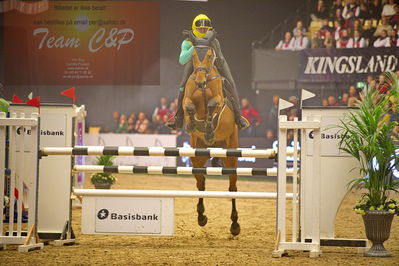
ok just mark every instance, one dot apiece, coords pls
pixel 202 29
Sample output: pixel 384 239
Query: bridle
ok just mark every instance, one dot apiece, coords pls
pixel 207 70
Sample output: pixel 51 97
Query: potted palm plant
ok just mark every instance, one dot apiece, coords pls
pixel 368 135
pixel 103 180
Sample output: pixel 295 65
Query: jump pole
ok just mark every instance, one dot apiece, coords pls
pixel 161 151
pixel 175 194
pixel 161 170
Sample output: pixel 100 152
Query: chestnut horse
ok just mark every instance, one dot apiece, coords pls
pixel 210 122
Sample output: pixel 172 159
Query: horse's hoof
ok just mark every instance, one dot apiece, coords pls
pixel 202 220
pixel 190 127
pixel 190 109
pixel 209 136
pixel 209 139
pixel 235 229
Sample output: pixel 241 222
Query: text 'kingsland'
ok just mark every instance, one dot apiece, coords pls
pixel 350 64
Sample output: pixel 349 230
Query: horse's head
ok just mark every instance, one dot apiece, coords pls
pixel 203 62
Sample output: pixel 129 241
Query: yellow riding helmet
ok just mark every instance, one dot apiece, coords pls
pixel 201 21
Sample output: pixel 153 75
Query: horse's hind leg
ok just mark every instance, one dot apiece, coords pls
pixel 235 226
pixel 200 162
pixel 231 162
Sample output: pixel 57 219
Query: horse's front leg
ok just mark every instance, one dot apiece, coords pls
pixel 200 162
pixel 190 110
pixel 213 103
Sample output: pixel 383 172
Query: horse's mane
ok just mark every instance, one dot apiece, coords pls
pixel 201 51
pixel 201 45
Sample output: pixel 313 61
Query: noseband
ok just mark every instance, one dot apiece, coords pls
pixel 207 70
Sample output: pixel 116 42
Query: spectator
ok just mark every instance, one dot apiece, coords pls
pixel 357 41
pixel 295 101
pixel 270 138
pixel 299 42
pixel 353 92
pixel 344 40
pixel 352 101
pixel 351 10
pixel 270 134
pixel 250 113
pixel 273 113
pixel 131 123
pixel 337 33
pixel 133 116
pixel 122 125
pixel 344 99
pixel 381 81
pixel 364 13
pixel 328 40
pixel 375 9
pixel 159 125
pixel 368 32
pixel 292 114
pixel 333 10
pixel 338 16
pixel 162 109
pixel 320 11
pixel 115 117
pixel 324 103
pixel 332 101
pixel 142 123
pixel 325 28
pixel 383 26
pixel 299 26
pixel 383 40
pixel 357 25
pixel 370 84
pixel 285 44
pixel 394 20
pixel 388 10
pixel 316 41
pixel 172 109
pixel 393 38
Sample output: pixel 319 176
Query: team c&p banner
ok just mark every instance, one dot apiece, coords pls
pixel 84 43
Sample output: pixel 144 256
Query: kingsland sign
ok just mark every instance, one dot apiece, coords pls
pixel 350 64
pixel 347 64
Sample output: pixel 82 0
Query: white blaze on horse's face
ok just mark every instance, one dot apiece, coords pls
pixel 203 68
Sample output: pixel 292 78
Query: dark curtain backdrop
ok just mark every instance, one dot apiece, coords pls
pixel 238 23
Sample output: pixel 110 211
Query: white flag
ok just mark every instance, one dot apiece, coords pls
pixel 283 104
pixel 30 96
pixel 307 95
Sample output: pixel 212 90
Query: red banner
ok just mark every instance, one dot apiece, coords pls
pixel 84 43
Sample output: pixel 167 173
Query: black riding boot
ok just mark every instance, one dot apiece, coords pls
pixel 241 122
pixel 178 121
pixel 231 92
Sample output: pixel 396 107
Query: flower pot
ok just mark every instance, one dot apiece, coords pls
pixel 102 186
pixel 378 228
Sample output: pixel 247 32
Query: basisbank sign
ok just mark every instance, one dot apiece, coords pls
pixel 346 64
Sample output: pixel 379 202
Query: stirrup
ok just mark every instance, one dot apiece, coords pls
pixel 243 123
pixel 177 123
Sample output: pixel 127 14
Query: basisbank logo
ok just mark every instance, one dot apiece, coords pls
pixel 326 136
pixel 104 214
